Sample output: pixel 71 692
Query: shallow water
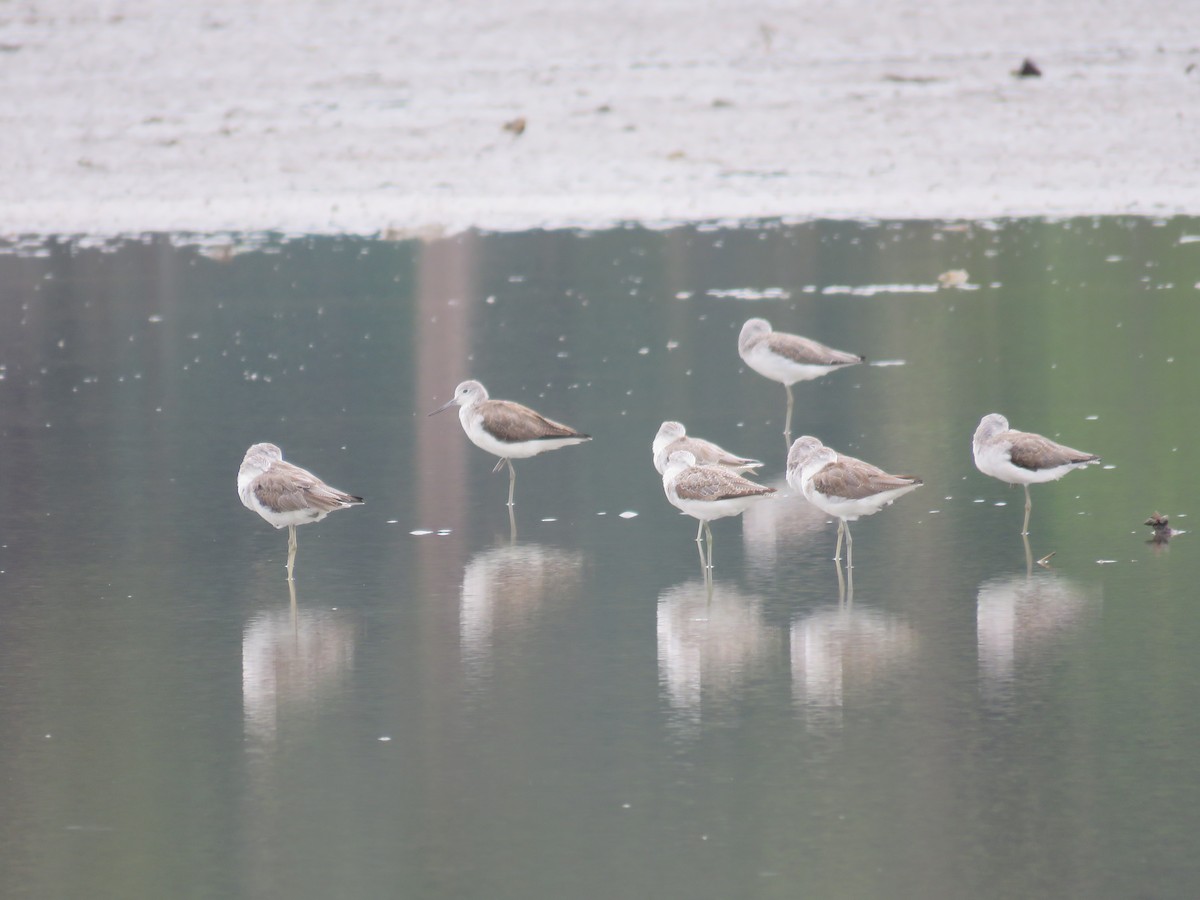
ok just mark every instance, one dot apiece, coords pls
pixel 446 712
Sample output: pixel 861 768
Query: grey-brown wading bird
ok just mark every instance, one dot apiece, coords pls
pixel 708 492
pixel 507 429
pixel 1019 457
pixel 673 436
pixel 286 495
pixel 842 486
pixel 788 358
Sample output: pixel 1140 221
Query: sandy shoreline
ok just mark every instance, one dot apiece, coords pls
pixel 382 118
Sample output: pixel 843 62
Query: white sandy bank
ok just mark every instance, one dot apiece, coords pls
pixel 371 116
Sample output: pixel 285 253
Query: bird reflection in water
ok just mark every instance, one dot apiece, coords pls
pixel 786 523
pixel 834 651
pixel 291 660
pixel 711 639
pixel 1024 616
pixel 504 589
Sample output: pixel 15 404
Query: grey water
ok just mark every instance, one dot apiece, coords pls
pixel 442 709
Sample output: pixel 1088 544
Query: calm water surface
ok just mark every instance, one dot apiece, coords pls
pixel 444 712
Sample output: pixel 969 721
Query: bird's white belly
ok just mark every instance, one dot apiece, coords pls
pixel 852 509
pixel 482 439
pixel 275 517
pixel 707 510
pixel 780 368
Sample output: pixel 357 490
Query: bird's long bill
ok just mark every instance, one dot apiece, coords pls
pixel 445 406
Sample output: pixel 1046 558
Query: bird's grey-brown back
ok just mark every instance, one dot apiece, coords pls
pixel 793 347
pixel 854 479
pixel 1033 451
pixel 512 423
pixel 695 482
pixel 287 488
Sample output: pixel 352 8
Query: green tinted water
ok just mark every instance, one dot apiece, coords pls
pixel 459 715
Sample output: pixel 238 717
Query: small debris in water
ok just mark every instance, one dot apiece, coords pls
pixel 1105 562
pixel 1029 69
pixel 954 278
pixel 550 519
pixel 771 293
pixel 1163 531
pixel 385 738
pixel 629 514
pixel 870 290
pixel 421 532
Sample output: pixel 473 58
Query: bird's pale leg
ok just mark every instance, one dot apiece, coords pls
pixel 787 422
pixel 512 526
pixel 837 554
pixel 1028 506
pixel 849 549
pixel 708 533
pixel 700 531
pixel 512 481
pixel 291 550
pixel 292 609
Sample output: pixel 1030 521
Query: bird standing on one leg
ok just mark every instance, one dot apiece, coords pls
pixel 286 495
pixel 708 492
pixel 507 429
pixel 788 358
pixel 1019 457
pixel 842 486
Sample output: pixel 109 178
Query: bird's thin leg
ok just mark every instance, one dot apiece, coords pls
pixel 849 549
pixel 837 554
pixel 700 531
pixel 787 422
pixel 499 465
pixel 512 481
pixel 291 550
pixel 708 533
pixel 1028 506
